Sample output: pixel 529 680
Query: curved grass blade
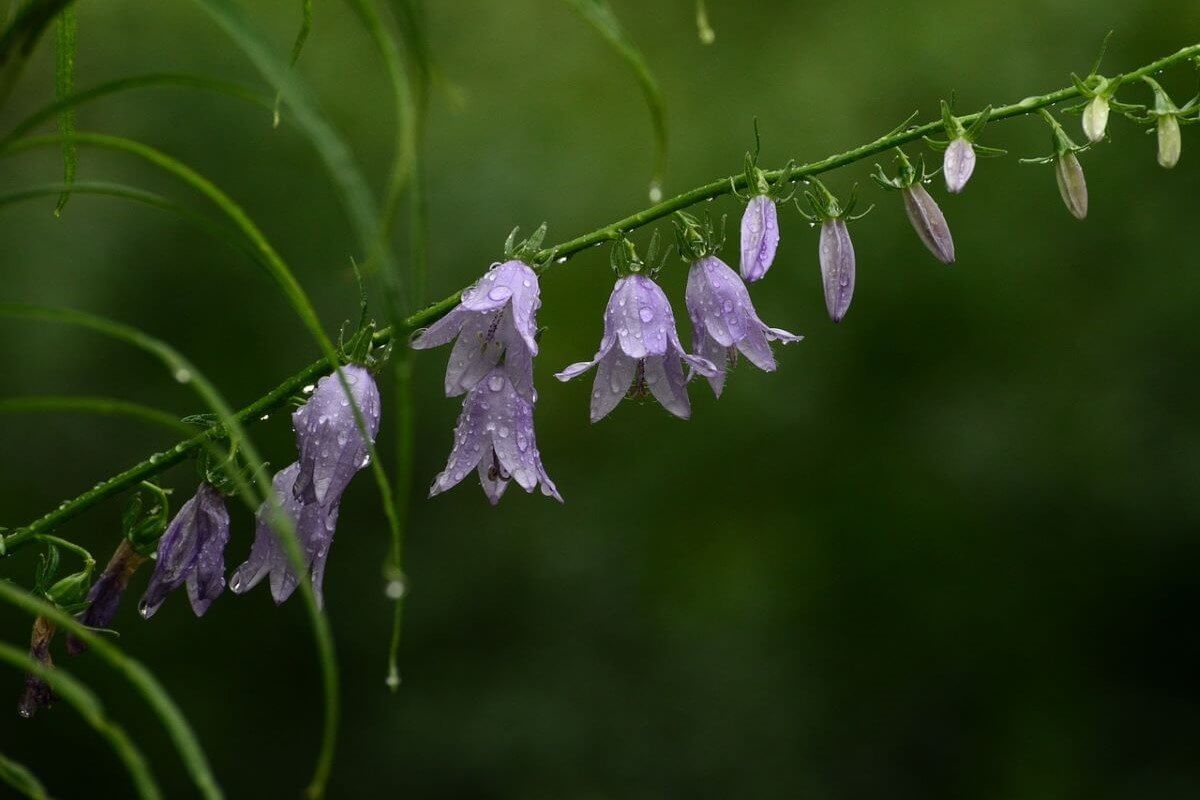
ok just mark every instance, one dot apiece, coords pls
pixel 19 778
pixel 306 19
pixel 204 223
pixel 152 80
pixel 64 86
pixel 703 28
pixel 89 707
pixel 600 15
pixel 105 406
pixel 339 162
pixel 19 38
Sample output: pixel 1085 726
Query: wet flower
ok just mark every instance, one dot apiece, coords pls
pixel 314 525
pixel 495 317
pixel 640 349
pixel 331 445
pixel 760 237
pixel 1095 118
pixel 724 321
pixel 494 436
pixel 191 552
pixel 38 693
pixel 837 267
pixel 1071 184
pixel 104 597
pixel 929 222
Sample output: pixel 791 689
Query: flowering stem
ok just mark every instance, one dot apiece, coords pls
pixel 160 462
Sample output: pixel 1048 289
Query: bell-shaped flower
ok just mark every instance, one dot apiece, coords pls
pixel 331 445
pixel 494 436
pixel 639 350
pixel 192 552
pixel 313 526
pixel 495 318
pixel 724 321
pixel 760 237
pixel 961 146
pixel 104 598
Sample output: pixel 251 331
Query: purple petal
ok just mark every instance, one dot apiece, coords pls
pixel 470 443
pixel 709 348
pixel 443 331
pixel 642 315
pixel 614 376
pixel 104 598
pixel 491 481
pixel 958 164
pixel 837 267
pixel 477 350
pixel 760 237
pixel 929 222
pixel 665 379
pixel 331 446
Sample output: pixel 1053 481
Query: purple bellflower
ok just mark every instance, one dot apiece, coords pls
pixel 332 450
pixel 497 317
pixel 640 347
pixel 835 251
pixel 331 445
pixel 494 436
pixel 923 211
pixel 104 598
pixel 191 552
pixel 313 525
pixel 724 321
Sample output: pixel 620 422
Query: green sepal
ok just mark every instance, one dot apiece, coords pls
pixel 142 521
pixel 695 239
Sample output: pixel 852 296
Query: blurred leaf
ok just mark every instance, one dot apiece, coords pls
pixel 64 83
pixel 600 15
pixel 306 18
pixel 21 779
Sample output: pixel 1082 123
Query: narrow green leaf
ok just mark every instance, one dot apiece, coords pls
pixel 306 20
pixel 82 700
pixel 106 406
pixel 600 15
pixel 20 779
pixel 64 86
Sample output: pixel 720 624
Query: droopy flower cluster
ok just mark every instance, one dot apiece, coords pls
pixel 494 330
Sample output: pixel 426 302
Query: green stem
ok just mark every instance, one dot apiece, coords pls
pixel 20 779
pixel 432 313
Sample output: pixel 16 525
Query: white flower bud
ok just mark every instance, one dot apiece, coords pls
pixel 1169 142
pixel 1095 118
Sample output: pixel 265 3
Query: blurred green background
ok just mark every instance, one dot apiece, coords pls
pixel 947 551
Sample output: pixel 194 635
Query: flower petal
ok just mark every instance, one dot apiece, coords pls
pixel 665 379
pixel 443 331
pixel 614 376
pixel 332 448
pixel 837 267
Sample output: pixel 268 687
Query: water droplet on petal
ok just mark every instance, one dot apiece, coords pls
pixel 495 383
pixel 646 313
pixel 500 293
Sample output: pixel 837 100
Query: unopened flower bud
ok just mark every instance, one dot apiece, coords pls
pixel 38 693
pixel 1169 141
pixel 837 267
pixel 958 164
pixel 1095 118
pixel 1071 184
pixel 929 222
